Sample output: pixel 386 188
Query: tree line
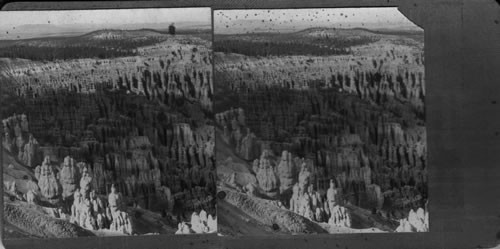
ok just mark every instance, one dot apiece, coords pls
pixel 252 48
pixel 77 49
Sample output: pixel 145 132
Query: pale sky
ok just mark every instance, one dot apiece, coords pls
pixel 11 19
pixel 233 21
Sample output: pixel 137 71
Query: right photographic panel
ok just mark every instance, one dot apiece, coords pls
pixel 320 121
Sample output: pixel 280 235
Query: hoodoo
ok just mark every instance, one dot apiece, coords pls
pixel 109 131
pixel 330 121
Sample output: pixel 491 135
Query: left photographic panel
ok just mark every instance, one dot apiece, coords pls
pixel 107 122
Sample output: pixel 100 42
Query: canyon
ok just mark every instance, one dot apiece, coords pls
pixel 338 139
pixel 109 145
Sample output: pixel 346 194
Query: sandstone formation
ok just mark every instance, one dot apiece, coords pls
pixel 19 141
pixel 339 216
pixel 417 221
pixel 141 123
pixel 200 223
pixel 120 220
pixel 269 214
pixel 286 171
pixel 69 177
pixel 28 219
pixel 47 181
pixel 355 118
pixel 266 176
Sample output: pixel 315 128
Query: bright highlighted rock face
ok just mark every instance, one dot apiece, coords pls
pixel 266 176
pixel 50 188
pixel 286 171
pixel 417 221
pixel 69 177
pixel 109 131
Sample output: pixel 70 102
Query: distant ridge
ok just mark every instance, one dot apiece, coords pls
pixel 337 31
pixel 104 33
pixel 374 31
pixel 122 33
pixel 393 31
pixel 29 31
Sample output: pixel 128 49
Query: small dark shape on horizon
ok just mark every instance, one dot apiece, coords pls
pixel 171 29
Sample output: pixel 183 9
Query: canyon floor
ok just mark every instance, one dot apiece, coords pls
pixel 321 131
pixel 108 133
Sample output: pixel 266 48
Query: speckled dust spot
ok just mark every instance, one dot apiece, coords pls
pixel 276 227
pixel 221 195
